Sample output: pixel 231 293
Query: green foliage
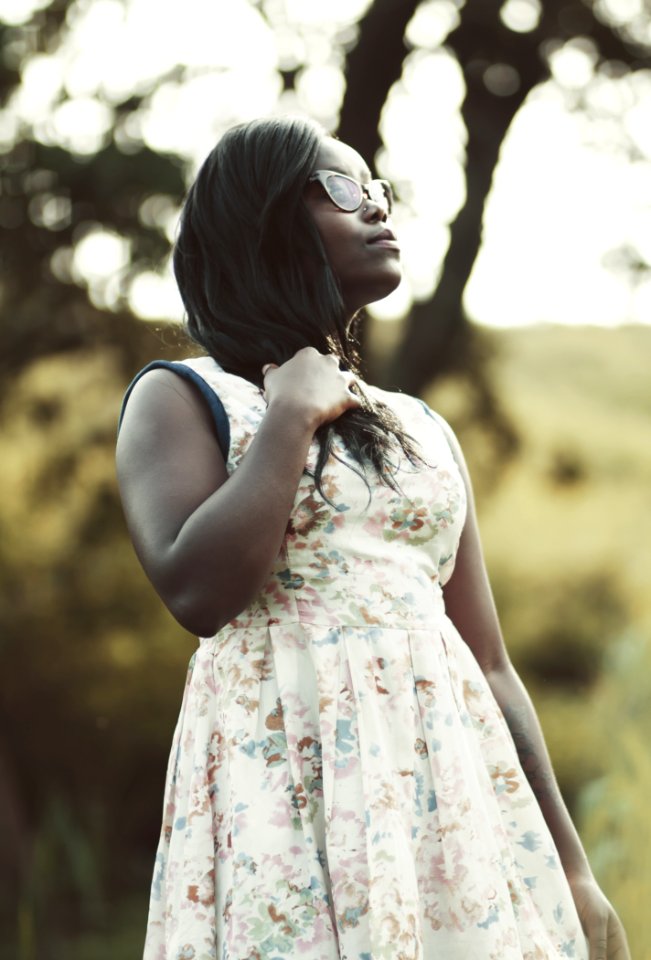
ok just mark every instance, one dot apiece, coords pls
pixel 91 664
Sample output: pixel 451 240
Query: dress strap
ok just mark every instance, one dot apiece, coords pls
pixel 216 407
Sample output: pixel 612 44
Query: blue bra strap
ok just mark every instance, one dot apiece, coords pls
pixel 216 407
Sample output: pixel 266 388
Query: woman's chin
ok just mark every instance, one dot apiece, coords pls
pixel 380 289
pixel 390 283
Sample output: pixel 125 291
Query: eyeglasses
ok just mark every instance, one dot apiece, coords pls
pixel 348 194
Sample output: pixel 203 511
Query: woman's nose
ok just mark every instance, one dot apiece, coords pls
pixel 375 210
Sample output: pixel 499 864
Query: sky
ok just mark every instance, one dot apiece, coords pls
pixel 566 192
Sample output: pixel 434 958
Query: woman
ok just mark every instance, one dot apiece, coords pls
pixel 349 778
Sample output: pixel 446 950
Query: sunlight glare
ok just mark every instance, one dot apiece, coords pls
pixel 439 71
pixel 99 255
pixel 638 124
pixel 572 66
pixel 153 296
pixel 42 81
pixel 424 245
pixel 82 125
pixel 160 212
pixel 552 214
pixel 290 49
pixel 419 150
pixel 152 38
pixel 15 12
pixel 638 232
pixel 8 130
pixel 521 16
pixel 317 13
pixel 620 11
pixel 427 159
pixel 642 302
pixel 432 21
pixel 89 50
pixel 186 118
pixel 320 92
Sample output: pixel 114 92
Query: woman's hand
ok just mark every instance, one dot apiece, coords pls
pixel 310 385
pixel 602 926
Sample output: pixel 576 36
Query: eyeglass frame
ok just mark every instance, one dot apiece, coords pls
pixel 387 200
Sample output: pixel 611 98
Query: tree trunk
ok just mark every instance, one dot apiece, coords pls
pixel 438 337
pixel 372 67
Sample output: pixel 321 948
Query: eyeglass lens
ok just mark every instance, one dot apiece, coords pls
pixel 380 192
pixel 348 194
pixel 344 192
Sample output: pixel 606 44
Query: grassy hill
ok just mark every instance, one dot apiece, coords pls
pixel 574 502
pixel 566 526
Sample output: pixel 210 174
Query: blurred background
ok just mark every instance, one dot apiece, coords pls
pixel 518 135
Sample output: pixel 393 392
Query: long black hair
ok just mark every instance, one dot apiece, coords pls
pixel 255 279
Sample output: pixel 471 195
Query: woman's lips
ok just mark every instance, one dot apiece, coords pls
pixel 385 238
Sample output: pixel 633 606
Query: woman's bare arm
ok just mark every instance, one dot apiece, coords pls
pixel 207 541
pixel 470 605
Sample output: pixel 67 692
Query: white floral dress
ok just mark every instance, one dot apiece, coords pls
pixel 342 784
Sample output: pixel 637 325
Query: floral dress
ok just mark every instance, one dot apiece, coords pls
pixel 342 784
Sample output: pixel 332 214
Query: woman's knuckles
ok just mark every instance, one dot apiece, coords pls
pixel 312 381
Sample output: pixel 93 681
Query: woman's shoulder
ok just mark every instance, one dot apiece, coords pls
pixel 405 405
pixel 193 369
pixel 420 421
pixel 202 373
pixel 168 390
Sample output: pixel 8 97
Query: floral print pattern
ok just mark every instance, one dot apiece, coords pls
pixel 342 784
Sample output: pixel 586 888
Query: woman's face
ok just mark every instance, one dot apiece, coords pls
pixel 367 268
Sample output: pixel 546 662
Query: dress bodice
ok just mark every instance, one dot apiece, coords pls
pixel 404 540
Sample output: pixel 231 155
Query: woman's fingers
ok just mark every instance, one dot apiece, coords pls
pixel 314 382
pixel 603 928
pixel 350 379
pixel 595 921
pixel 598 946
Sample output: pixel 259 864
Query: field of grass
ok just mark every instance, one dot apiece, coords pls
pixel 567 537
